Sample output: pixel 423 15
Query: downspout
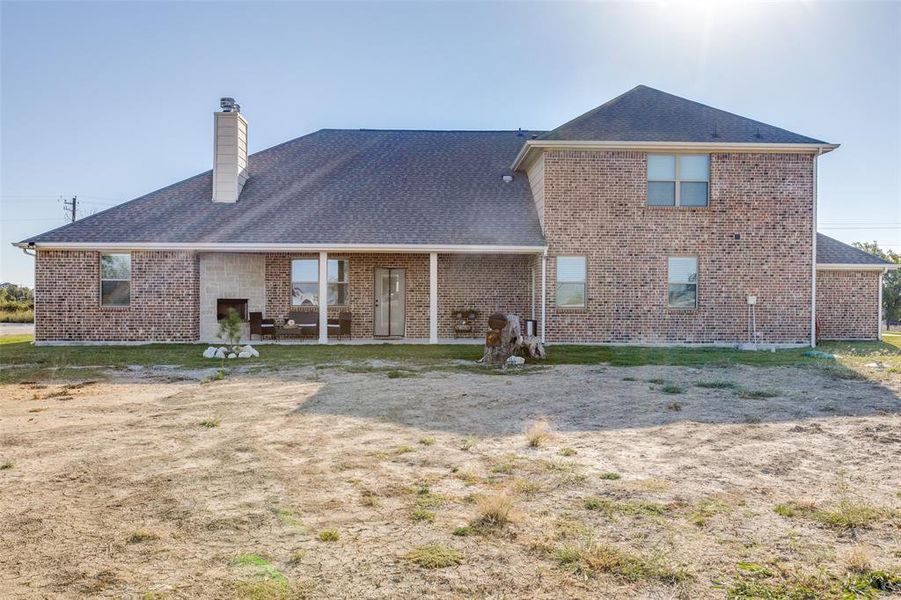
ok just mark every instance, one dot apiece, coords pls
pixel 879 310
pixel 543 294
pixel 813 267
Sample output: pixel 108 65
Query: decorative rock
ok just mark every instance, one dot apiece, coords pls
pixel 233 355
pixel 516 360
pixel 220 353
pixel 250 350
pixel 209 352
pixel 244 355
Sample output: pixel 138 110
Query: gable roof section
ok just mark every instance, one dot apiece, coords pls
pixel 833 252
pixel 644 114
pixel 342 187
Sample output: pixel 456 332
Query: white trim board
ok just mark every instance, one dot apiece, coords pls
pixel 263 247
pixel 639 146
pixel 855 267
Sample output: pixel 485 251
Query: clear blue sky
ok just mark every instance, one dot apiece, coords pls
pixel 113 100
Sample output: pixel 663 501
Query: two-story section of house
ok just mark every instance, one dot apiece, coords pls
pixel 650 219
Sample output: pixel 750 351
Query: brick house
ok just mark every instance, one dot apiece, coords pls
pixel 650 219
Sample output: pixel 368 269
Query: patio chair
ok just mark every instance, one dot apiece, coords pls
pixel 261 327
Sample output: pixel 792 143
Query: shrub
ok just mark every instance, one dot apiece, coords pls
pixel 590 559
pixel 859 559
pixel 463 531
pixel 610 475
pixel 142 536
pixel 328 535
pixel 716 385
pixel 422 514
pixel 671 388
pixel 494 510
pixel 537 432
pixel 757 394
pixel 6 465
pixel 435 556
pixel 427 441
pixel 567 452
pixel 230 327
pixel 210 423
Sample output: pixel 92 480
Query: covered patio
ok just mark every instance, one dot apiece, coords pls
pixel 355 295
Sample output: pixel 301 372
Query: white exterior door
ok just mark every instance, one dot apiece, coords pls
pixel 389 303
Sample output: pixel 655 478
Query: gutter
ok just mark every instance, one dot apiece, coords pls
pixel 857 267
pixel 637 146
pixel 262 247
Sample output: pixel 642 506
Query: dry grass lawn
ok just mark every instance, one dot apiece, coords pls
pixel 337 483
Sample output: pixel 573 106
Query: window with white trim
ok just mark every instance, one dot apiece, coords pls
pixel 571 277
pixel 682 279
pixel 115 279
pixel 305 281
pixel 678 179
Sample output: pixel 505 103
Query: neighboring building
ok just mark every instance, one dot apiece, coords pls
pixel 650 219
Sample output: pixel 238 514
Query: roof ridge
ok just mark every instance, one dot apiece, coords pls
pixel 395 130
pixel 595 109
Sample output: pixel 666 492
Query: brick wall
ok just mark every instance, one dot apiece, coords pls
pixel 487 283
pixel 847 305
pixel 595 206
pixel 164 298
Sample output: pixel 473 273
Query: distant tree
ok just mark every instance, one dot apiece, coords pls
pixel 891 282
pixel 19 293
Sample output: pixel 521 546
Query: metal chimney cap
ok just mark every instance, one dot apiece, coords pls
pixel 229 105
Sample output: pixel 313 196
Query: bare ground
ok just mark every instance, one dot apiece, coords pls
pixel 154 484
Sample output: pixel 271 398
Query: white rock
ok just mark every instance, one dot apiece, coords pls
pixel 220 353
pixel 251 350
pixel 209 352
pixel 516 360
pixel 233 355
pixel 244 354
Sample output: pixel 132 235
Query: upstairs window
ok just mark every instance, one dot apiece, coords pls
pixel 305 282
pixel 683 282
pixel 571 292
pixel 678 179
pixel 115 279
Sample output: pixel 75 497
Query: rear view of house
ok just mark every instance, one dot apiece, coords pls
pixel 650 219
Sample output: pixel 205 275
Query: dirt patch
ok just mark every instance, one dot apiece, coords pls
pixel 330 480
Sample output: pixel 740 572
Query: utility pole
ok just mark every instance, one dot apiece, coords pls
pixel 71 207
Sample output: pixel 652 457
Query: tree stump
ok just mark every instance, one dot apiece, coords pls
pixel 505 339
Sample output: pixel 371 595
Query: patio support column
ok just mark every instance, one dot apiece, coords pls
pixel 323 297
pixel 543 293
pixel 433 298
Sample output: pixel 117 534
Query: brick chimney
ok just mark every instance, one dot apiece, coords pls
pixel 229 151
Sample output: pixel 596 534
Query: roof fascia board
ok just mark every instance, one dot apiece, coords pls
pixel 261 247
pixel 856 267
pixel 670 147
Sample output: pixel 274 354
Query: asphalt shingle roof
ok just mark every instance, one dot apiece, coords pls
pixel 343 186
pixel 644 114
pixel 833 252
